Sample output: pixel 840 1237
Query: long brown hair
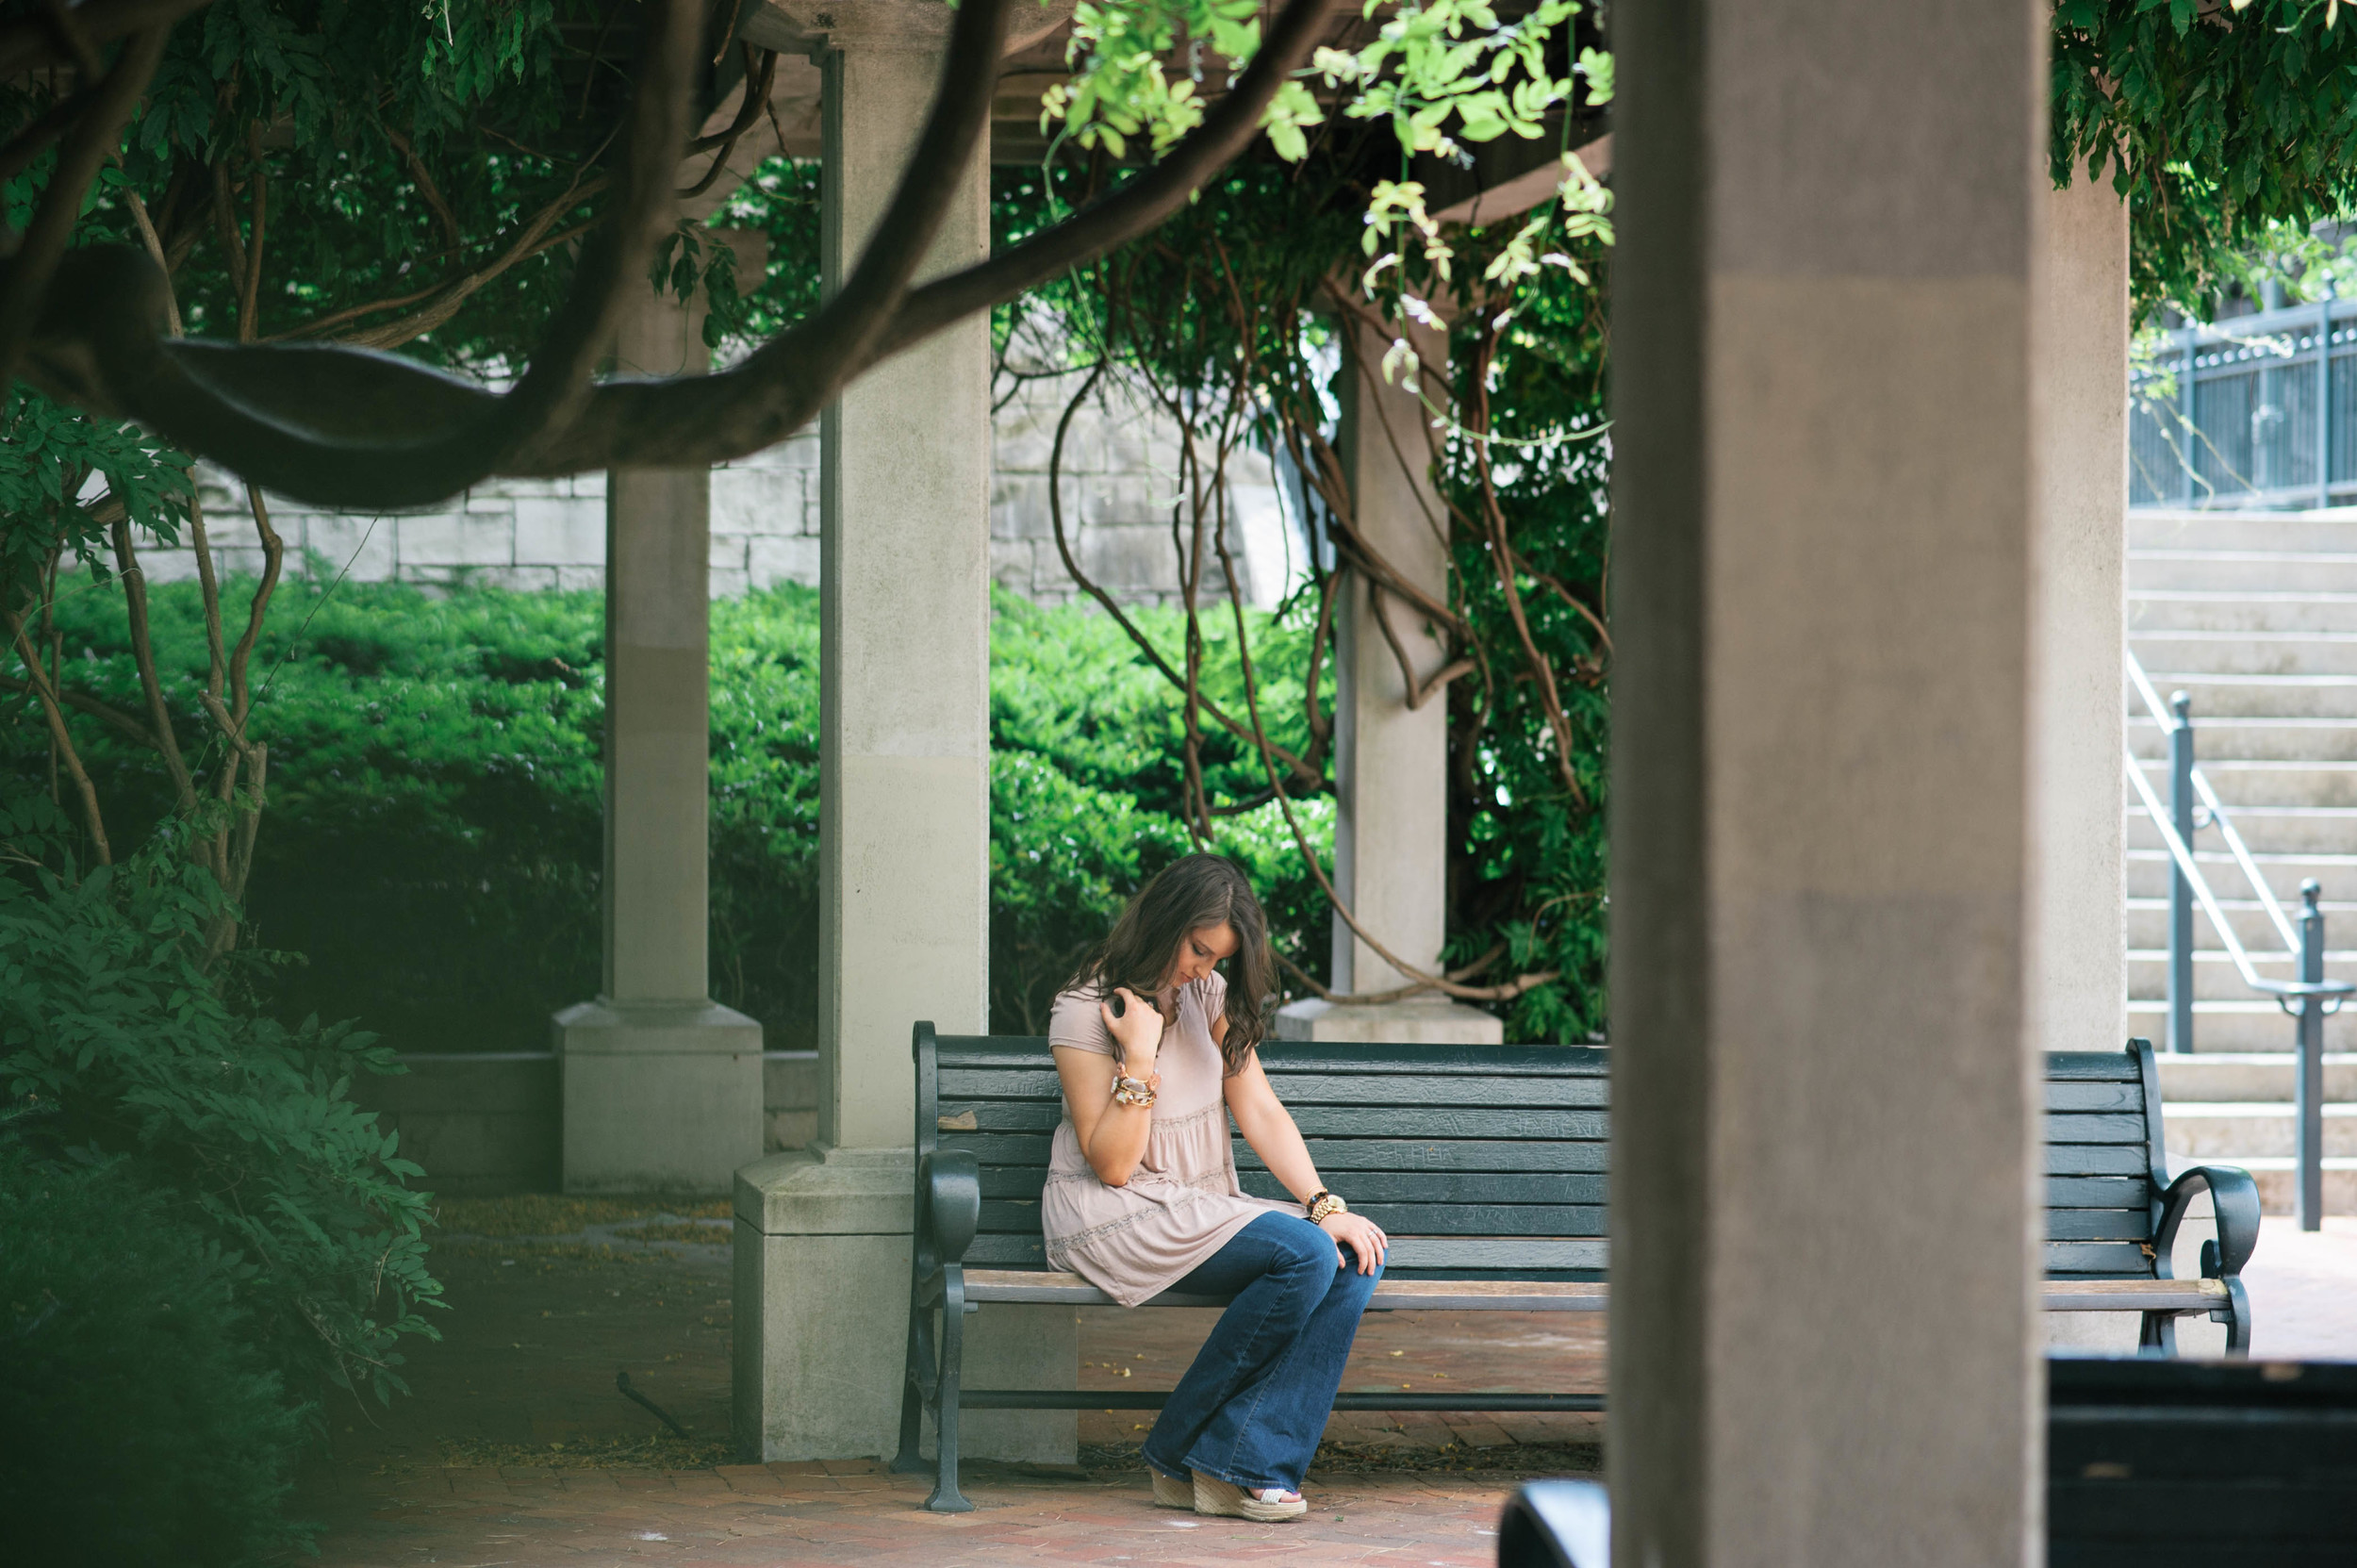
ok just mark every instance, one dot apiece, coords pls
pixel 1186 896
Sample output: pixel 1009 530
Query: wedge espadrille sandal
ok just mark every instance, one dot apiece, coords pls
pixel 1215 1496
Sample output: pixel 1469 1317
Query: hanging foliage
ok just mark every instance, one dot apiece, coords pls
pixel 1239 324
pixel 2221 124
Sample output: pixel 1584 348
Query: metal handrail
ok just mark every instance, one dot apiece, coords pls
pixel 2219 816
pixel 2308 999
pixel 2181 853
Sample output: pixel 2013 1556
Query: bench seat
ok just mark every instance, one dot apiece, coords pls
pixel 1576 1296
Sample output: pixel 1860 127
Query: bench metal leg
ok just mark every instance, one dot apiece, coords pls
pixel 2158 1335
pixel 2236 1317
pixel 917 1378
pixel 945 1497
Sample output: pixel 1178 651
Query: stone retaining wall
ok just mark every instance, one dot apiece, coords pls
pixel 1120 466
pixel 490 1123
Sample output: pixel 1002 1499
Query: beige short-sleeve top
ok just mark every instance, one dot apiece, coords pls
pixel 1182 1203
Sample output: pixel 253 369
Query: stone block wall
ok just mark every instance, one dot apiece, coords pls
pixel 1120 478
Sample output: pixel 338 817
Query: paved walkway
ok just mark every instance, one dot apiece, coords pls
pixel 517 1452
pixel 852 1513
pixel 2303 1290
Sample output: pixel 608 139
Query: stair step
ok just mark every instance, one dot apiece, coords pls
pixel 2148 872
pixel 2241 783
pixel 2249 653
pixel 2247 739
pixel 2329 531
pixel 2224 1130
pixel 2161 610
pixel 2248 1076
pixel 2278 1181
pixel 2262 571
pixel 2237 1026
pixel 2215 695
pixel 2215 976
pixel 2267 830
pixel 2148 920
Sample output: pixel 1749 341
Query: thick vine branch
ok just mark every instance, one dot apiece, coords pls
pixel 344 427
pixel 30 42
pixel 28 274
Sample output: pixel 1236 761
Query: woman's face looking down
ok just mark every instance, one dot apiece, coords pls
pixel 1199 950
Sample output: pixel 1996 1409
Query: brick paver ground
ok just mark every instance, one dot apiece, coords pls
pixel 506 1454
pixel 854 1514
pixel 509 1455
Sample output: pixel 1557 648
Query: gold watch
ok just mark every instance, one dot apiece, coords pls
pixel 1323 1203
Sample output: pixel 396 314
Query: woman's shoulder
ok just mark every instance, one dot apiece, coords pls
pixel 1075 1021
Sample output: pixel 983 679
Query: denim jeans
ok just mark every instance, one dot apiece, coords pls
pixel 1251 1409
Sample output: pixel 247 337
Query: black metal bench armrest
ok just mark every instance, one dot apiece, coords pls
pixel 949 1203
pixel 2235 1200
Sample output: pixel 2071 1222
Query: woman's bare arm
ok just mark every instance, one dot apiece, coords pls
pixel 1269 1128
pixel 1112 1134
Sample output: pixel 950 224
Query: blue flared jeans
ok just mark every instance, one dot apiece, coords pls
pixel 1251 1409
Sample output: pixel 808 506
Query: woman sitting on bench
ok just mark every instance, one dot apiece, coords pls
pixel 1155 1048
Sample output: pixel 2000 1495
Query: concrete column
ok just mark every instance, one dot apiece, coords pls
pixel 823 1235
pixel 1824 1242
pixel 2078 624
pixel 1391 760
pixel 662 1085
pixel 2076 949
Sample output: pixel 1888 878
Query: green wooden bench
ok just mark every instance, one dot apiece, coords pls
pixel 1486 1165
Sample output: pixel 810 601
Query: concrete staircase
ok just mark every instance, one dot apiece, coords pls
pixel 2255 615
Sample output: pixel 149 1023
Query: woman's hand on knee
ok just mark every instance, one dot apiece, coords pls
pixel 1361 1237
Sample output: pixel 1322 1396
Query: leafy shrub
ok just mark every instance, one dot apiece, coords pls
pixel 141 1422
pixel 111 1019
pixel 433 842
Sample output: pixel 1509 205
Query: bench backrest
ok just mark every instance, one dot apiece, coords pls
pixel 1489 1160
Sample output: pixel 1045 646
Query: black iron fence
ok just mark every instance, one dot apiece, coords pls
pixel 2257 411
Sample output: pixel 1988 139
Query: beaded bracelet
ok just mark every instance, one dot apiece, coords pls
pixel 1132 1091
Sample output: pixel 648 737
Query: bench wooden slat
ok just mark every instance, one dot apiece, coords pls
pixel 2121 1127
pixel 1015 1150
pixel 2119 1229
pixel 2097 1159
pixel 1280 1056
pixel 1589 1155
pixel 2135 1296
pixel 2059 1296
pixel 1581 1093
pixel 2098 1225
pixel 991 1284
pixel 1287 1056
pixel 2096 1258
pixel 1489 1124
pixel 1396 1121
pixel 2092 1064
pixel 2097 1095
pixel 1407 1089
pixel 2096 1192
pixel 1502 1252
pixel 1039 1083
pixel 1393 1186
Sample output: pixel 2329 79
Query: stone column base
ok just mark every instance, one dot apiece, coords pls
pixel 659 1097
pixel 821 1320
pixel 1418 1022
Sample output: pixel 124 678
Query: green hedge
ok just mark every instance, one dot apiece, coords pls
pixel 201 1238
pixel 433 842
pixel 143 1426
